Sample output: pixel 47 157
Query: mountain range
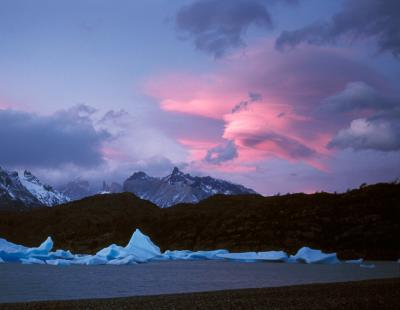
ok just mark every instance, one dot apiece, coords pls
pixel 179 187
pixel 26 190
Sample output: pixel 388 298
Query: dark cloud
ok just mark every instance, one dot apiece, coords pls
pixel 114 116
pixel 221 153
pixel 242 105
pixel 357 96
pixel 287 146
pixel 254 97
pixel 358 19
pixel 381 131
pixel 374 134
pixel 66 137
pixel 219 25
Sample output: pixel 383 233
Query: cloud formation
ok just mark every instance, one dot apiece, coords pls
pixel 357 96
pixel 242 105
pixel 267 101
pixel 380 131
pixel 66 137
pixel 373 134
pixel 216 26
pixel 221 153
pixel 358 20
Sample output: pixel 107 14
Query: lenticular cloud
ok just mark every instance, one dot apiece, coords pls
pixel 140 249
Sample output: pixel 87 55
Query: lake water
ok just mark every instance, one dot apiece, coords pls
pixel 44 282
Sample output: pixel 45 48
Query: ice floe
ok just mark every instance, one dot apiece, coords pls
pixel 270 256
pixel 311 256
pixel 140 249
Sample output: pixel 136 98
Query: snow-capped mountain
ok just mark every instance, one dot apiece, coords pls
pixel 179 187
pixel 27 190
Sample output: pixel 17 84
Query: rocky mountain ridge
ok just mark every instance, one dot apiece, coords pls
pixel 26 190
pixel 179 187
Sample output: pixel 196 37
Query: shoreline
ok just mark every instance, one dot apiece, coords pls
pixel 368 294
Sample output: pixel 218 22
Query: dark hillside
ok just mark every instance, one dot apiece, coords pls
pixel 364 222
pixel 81 226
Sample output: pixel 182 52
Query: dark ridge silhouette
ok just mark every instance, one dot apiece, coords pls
pixel 359 223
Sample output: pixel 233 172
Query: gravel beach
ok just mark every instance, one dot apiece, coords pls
pixel 370 294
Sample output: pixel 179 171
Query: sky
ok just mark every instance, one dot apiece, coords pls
pixel 278 95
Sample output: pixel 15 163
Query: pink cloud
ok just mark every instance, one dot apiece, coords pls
pixel 281 123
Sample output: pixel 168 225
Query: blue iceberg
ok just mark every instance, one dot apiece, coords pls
pixel 310 256
pixel 140 249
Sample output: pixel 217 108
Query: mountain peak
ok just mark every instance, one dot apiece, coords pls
pixel 176 171
pixel 30 177
pixel 140 175
pixel 28 190
pixel 179 187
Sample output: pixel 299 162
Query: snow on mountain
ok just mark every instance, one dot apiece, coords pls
pixel 179 187
pixel 44 193
pixel 27 190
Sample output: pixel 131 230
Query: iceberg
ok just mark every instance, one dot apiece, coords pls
pixel 206 255
pixel 176 254
pixel 111 252
pixel 61 254
pixel 249 257
pixel 128 260
pixel 31 260
pixel 140 249
pixel 43 249
pixel 10 251
pixel 90 260
pixel 311 256
pixel 13 252
pixel 269 256
pixel 141 246
pixel 58 262
pixel 273 256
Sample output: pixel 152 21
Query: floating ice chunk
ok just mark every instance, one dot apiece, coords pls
pixel 128 260
pixel 111 252
pixel 10 251
pixel 61 254
pixel 59 262
pixel 1 260
pixel 311 256
pixel 243 256
pixel 14 252
pixel 271 256
pixel 31 260
pixel 190 255
pixel 43 249
pixel 141 249
pixel 177 254
pixel 355 261
pixel 205 255
pixel 141 246
pixel 90 260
